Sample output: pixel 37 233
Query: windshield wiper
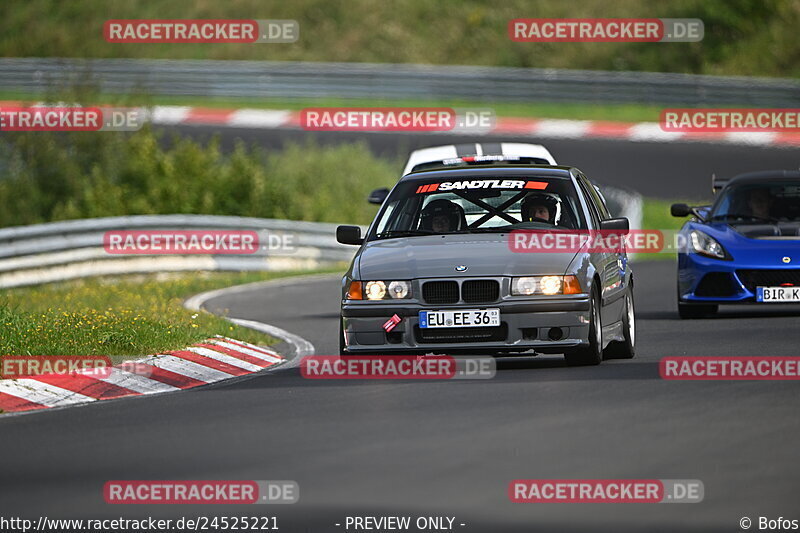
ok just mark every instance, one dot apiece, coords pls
pixel 405 233
pixel 737 215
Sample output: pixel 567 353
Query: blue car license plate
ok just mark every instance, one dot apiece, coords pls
pixel 778 294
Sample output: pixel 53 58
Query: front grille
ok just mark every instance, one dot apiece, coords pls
pixel 455 335
pixel 480 291
pixel 716 284
pixel 768 278
pixel 440 292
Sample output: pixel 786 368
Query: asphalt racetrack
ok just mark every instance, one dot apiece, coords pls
pixel 671 170
pixel 450 448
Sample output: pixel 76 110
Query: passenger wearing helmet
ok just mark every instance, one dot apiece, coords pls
pixel 441 216
pixel 539 207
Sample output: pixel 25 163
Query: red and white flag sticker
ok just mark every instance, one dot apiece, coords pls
pixel 390 324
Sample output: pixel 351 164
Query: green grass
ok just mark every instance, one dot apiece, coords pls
pixel 743 37
pixel 118 316
pixel 655 215
pixel 554 110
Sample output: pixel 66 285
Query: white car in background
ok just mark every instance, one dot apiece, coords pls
pixel 479 153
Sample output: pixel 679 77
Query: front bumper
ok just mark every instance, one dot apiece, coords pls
pixel 526 325
pixel 706 280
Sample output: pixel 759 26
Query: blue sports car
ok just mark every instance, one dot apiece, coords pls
pixel 744 248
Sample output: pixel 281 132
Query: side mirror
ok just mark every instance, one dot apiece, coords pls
pixel 680 210
pixel 378 196
pixel 349 235
pixel 621 225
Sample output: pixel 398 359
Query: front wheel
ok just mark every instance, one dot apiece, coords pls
pixel 625 349
pixel 592 353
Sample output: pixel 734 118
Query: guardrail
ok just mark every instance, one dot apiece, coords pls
pixel 58 251
pixel 279 79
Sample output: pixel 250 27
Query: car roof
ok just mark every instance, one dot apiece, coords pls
pixel 544 171
pixel 764 175
pixel 452 151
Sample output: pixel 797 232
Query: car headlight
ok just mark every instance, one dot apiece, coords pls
pixel 375 290
pixel 550 285
pixel 706 245
pixel 399 289
pixel 379 290
pixel 547 285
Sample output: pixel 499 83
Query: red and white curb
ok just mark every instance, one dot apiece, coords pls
pixel 504 126
pixel 207 362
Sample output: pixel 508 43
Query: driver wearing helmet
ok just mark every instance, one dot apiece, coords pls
pixel 441 216
pixel 759 202
pixel 539 208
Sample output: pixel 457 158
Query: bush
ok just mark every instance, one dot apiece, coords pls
pixel 46 177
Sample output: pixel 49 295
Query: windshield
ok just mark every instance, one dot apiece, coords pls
pixel 459 205
pixel 768 202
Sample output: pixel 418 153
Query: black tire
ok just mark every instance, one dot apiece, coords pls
pixel 689 311
pixel 625 349
pixel 592 353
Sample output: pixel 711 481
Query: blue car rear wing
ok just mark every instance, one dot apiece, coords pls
pixel 716 183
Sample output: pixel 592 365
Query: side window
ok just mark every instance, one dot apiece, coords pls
pixel 598 200
pixel 587 190
pixel 601 204
pixel 387 216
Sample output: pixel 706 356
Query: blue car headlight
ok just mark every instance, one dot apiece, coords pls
pixel 704 244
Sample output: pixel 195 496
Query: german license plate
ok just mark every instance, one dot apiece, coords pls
pixel 460 318
pixel 778 294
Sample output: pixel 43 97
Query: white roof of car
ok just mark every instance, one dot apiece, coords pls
pixel 453 151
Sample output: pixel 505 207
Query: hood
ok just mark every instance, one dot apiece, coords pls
pixel 436 256
pixel 758 245
pixel 780 231
pixel 760 236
